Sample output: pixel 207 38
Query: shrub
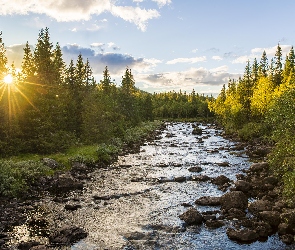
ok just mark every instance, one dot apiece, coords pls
pixel 15 177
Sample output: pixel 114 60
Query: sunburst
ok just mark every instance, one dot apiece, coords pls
pixel 10 93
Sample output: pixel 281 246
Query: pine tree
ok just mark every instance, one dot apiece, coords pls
pixel 288 66
pixel 28 66
pixel 106 82
pixel 43 55
pixel 128 83
pixel 255 72
pixel 278 67
pixel 58 65
pixel 89 79
pixel 80 72
pixel 263 65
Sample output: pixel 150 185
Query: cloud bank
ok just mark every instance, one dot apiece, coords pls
pixel 77 10
pixel 188 79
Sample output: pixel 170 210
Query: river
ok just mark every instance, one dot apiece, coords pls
pixel 135 203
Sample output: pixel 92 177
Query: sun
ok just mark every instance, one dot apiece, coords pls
pixel 8 79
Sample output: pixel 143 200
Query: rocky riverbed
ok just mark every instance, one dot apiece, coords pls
pixel 189 188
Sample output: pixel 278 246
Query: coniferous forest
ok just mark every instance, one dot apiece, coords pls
pixel 49 106
pixel 261 105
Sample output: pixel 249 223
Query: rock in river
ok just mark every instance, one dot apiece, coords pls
pixel 192 217
pixel 234 199
pixel 208 201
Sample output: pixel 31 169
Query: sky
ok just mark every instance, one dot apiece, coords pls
pixel 168 44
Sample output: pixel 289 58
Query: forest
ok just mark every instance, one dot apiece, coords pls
pixel 48 106
pixel 260 105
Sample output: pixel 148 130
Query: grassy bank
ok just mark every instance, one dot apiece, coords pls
pixel 18 172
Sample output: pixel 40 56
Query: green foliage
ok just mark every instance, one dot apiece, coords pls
pixel 269 94
pixel 253 130
pixel 281 115
pixel 178 105
pixel 15 176
pixel 106 153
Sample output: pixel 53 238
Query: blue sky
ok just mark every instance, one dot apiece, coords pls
pixel 168 44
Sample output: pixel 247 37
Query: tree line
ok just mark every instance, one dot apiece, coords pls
pixel 50 106
pixel 261 104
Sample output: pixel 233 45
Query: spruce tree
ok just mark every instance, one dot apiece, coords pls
pixel 106 82
pixel 278 77
pixel 263 65
pixel 28 66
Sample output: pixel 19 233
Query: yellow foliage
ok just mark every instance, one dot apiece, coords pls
pixel 262 97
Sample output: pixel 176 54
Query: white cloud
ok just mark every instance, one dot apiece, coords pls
pixel 198 78
pixel 135 15
pixel 93 27
pixel 97 44
pixel 162 3
pixel 77 10
pixel 257 53
pixel 217 58
pixel 15 54
pixel 187 60
pixel 194 50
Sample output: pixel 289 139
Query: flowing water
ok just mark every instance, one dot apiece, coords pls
pixel 135 203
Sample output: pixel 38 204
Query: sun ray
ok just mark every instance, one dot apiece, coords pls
pixel 3 91
pixel 9 103
pixel 27 99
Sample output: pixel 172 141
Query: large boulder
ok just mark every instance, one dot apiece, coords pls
pixel 242 235
pixel 65 183
pixel 288 216
pixel 271 217
pixel 192 217
pixel 208 201
pixel 259 206
pixel 258 167
pixel 220 180
pixel 243 186
pixel 234 199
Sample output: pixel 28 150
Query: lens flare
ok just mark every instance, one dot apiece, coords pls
pixel 8 79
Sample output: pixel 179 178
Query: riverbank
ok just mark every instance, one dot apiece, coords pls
pixel 135 202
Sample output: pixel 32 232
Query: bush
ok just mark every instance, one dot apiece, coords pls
pixel 253 130
pixel 106 153
pixel 15 177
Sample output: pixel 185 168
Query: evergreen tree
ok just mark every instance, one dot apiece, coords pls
pixel 43 55
pixel 289 65
pixel 59 65
pixel 255 72
pixel 263 65
pixel 278 67
pixel 128 83
pixel 89 79
pixel 28 66
pixel 106 82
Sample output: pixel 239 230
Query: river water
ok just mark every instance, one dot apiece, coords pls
pixel 135 203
